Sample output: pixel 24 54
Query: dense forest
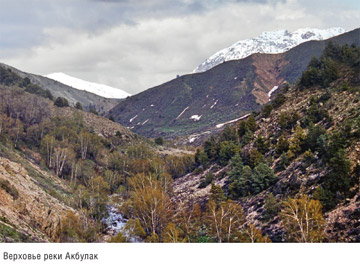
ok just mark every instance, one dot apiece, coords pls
pixel 290 165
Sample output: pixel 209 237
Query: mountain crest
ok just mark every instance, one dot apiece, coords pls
pixel 98 89
pixel 269 42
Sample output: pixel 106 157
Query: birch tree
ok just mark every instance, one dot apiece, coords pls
pixel 303 220
pixel 224 221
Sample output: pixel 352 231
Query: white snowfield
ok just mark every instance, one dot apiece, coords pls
pixel 272 42
pixel 98 89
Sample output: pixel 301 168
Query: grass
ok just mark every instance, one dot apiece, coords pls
pixel 8 234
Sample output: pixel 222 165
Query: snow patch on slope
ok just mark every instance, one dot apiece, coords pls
pixel 181 113
pixel 272 91
pixel 132 119
pixel 98 89
pixel 271 42
pixel 231 121
pixel 196 117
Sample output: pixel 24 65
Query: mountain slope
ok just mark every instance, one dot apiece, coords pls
pixel 267 43
pixel 88 100
pixel 197 103
pixel 98 89
pixel 306 145
pixel 46 152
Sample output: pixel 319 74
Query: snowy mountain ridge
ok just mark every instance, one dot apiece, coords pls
pixel 271 42
pixel 98 89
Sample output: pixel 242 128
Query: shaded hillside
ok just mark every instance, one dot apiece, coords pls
pixel 198 102
pixel 60 165
pixel 88 100
pixel 305 147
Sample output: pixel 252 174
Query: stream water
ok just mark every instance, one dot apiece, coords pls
pixel 115 222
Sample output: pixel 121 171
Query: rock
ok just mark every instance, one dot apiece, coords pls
pixel 355 215
pixel 339 226
pixel 34 213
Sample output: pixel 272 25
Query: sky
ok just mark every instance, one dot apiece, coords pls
pixel 134 45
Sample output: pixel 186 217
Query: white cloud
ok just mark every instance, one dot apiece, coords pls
pixel 154 50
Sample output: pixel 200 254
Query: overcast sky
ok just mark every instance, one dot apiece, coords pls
pixel 134 45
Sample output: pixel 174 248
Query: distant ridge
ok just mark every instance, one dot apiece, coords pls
pixel 98 89
pixel 270 42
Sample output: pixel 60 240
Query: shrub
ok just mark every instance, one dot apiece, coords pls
pixel 209 177
pixel 78 106
pixel 159 141
pixel 10 189
pixel 272 206
pixel 61 102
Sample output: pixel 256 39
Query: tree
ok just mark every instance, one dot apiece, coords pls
pixel 210 148
pixel 302 220
pixel 216 194
pixel 188 219
pixel 272 206
pixel 227 150
pixel 251 122
pixel 77 228
pixel 84 139
pixel 261 145
pixel 262 178
pixel 229 134
pixel 98 192
pixel 255 158
pixel 172 234
pixel 297 141
pixel 255 235
pixel 225 220
pixel 61 102
pixel 78 106
pixel 62 155
pixel 150 204
pixel 159 141
pixel 282 145
pixel 48 146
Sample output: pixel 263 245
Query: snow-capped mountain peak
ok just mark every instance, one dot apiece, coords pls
pixel 98 89
pixel 269 42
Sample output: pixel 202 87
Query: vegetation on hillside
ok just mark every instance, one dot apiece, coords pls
pixel 290 165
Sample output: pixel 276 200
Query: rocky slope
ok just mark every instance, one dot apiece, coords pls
pixel 335 109
pixel 26 210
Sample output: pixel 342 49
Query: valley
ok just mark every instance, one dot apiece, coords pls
pixel 257 150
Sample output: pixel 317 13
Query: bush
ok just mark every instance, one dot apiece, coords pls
pixel 282 145
pixel 272 206
pixel 159 141
pixel 209 177
pixel 267 110
pixel 245 181
pixel 288 120
pixel 10 189
pixel 227 150
pixel 78 106
pixel 34 89
pixel 61 102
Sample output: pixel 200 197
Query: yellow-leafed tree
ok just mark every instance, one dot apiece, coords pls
pixel 303 220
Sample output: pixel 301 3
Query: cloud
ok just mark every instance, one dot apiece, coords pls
pixel 135 46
